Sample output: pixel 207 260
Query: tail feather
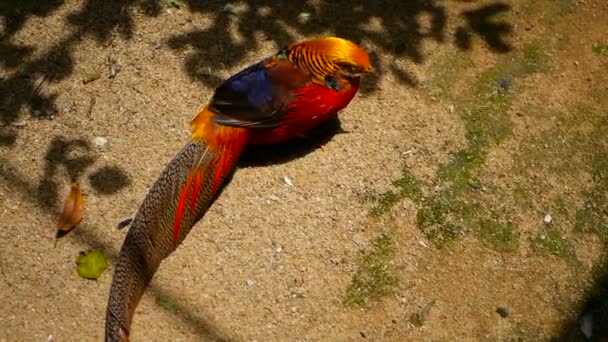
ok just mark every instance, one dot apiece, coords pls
pixel 189 196
pixel 190 181
pixel 196 188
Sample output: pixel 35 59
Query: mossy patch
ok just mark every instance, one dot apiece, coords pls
pixel 532 60
pixel 593 216
pixel 501 236
pixel 551 11
pixel 574 142
pixel 408 186
pixel 449 206
pixel 373 278
pixel 449 72
pixel 550 240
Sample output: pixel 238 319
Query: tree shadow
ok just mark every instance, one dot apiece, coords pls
pixel 405 25
pixel 87 236
pixel 398 27
pixel 16 13
pixel 183 312
pixel 480 21
pixel 592 316
pixel 20 92
pixel 73 156
pixel 108 180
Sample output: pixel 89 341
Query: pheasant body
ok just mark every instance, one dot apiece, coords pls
pixel 279 98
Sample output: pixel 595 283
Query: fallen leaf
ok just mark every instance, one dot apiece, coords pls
pixel 91 264
pixel 174 3
pixel 72 211
pixel 90 76
pixel 167 303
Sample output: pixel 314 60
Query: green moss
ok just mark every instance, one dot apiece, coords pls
pixel 450 205
pixel 550 240
pixel 408 186
pixel 565 7
pixel 523 196
pixel 560 207
pixel 532 58
pixel 433 220
pixel 448 72
pixel 461 169
pixel 564 146
pixel 551 11
pixel 593 216
pixel 500 236
pixel 384 202
pixel 373 278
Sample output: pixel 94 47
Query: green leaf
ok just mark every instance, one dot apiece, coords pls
pixel 167 303
pixel 174 3
pixel 90 76
pixel 91 264
pixel 599 49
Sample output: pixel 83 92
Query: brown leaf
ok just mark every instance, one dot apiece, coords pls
pixel 72 211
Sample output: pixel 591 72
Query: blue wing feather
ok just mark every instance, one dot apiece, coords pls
pixel 256 96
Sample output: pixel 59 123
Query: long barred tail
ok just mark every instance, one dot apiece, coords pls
pixel 177 200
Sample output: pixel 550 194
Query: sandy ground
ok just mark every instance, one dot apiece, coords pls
pixel 273 262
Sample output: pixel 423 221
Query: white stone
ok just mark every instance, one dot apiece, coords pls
pixel 100 141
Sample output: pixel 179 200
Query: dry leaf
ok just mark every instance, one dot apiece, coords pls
pixel 72 211
pixel 90 76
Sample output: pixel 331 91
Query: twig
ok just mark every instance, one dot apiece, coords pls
pixel 92 101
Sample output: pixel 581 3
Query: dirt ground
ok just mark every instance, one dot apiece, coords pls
pixel 471 184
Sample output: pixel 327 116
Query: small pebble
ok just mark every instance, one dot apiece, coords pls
pixel 423 244
pixel 303 17
pixel 548 219
pixel 235 9
pixel 113 70
pixel 359 239
pixel 249 283
pixel 100 141
pixel 503 311
pixel 288 180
